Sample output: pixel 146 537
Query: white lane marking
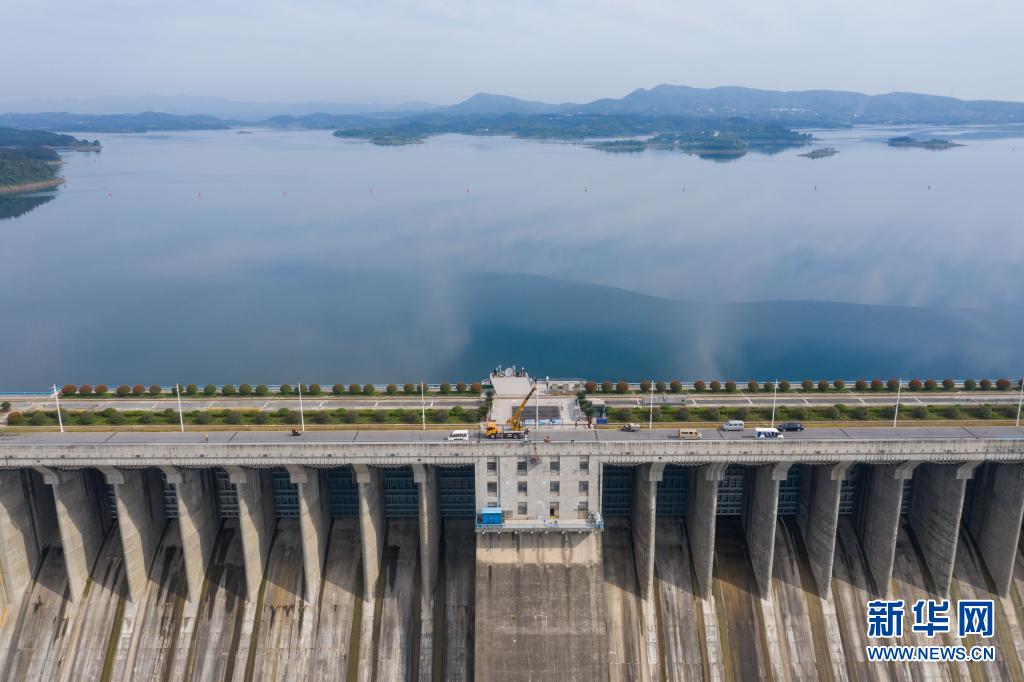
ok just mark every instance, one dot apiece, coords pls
pixel 264 405
pixel 320 404
pixel 862 401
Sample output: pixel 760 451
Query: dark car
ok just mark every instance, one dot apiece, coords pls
pixel 790 426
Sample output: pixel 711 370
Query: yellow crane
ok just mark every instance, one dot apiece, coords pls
pixel 513 426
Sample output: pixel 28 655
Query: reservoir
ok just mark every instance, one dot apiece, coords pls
pixel 287 256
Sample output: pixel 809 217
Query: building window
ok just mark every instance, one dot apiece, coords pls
pixel 555 466
pixel 492 487
pixel 521 466
pixel 553 510
pixel 583 506
pixel 522 487
pixel 521 509
pixel 584 464
pixel 554 487
pixel 584 487
pixel 492 504
pixel 492 466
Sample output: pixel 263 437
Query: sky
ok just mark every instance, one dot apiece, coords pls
pixel 439 51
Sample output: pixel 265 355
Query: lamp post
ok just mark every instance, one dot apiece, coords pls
pixel 650 417
pixel 775 395
pixel 181 417
pixel 60 420
pixel 896 412
pixel 302 416
pixel 423 406
pixel 1020 400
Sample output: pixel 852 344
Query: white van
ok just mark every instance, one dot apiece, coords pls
pixel 767 433
pixel 733 425
pixel 459 434
pixel 689 434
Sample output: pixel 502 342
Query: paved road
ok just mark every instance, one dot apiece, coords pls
pixel 812 399
pixel 268 404
pixel 556 435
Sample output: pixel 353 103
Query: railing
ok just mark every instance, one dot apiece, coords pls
pixel 593 522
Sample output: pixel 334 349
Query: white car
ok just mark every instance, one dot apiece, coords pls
pixel 459 435
pixel 733 425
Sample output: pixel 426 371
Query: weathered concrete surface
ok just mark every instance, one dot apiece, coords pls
pixel 645 498
pixel 540 608
pixel 759 521
pixel 429 556
pixel 28 526
pixel 818 518
pixel 702 503
pixel 740 622
pixel 150 638
pixel 83 518
pixel 198 523
pixel 283 635
pixel 314 525
pixel 397 633
pixel 255 522
pixel 371 524
pixel 627 652
pixel 340 606
pixel 878 521
pixel 459 612
pixel 994 519
pixel 935 517
pixel 140 518
pixel 691 652
pixel 217 648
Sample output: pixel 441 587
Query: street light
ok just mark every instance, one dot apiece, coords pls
pixel 775 395
pixel 1020 400
pixel 896 412
pixel 423 405
pixel 60 420
pixel 650 418
pixel 302 417
pixel 181 417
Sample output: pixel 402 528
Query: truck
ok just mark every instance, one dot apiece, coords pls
pixel 513 426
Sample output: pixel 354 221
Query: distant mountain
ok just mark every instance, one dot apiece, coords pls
pixel 484 103
pixel 147 121
pixel 186 105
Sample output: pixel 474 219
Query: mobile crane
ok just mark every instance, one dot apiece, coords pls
pixel 513 426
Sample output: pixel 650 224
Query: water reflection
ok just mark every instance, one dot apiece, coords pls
pixel 16 206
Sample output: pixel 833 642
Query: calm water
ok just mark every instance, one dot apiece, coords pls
pixel 286 256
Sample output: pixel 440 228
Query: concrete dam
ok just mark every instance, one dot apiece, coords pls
pixel 151 557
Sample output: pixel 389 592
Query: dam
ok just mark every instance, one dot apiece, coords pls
pixel 343 556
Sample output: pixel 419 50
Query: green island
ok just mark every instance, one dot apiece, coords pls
pixel 821 153
pixel 29 158
pixel 712 138
pixel 934 143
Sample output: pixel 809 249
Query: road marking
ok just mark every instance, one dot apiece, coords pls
pixel 264 405
pixel 211 404
pixel 375 404
pixel 320 404
pixel 806 402
pixel 862 401
pixel 749 401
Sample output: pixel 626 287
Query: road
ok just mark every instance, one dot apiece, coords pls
pixel 556 435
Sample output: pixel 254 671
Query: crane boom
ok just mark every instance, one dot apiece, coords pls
pixel 514 421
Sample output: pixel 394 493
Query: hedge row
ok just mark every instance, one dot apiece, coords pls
pixel 822 385
pixel 124 390
pixel 112 417
pixel 668 413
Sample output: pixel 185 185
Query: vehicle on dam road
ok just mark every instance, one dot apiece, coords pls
pixel 689 434
pixel 631 427
pixel 767 434
pixel 791 426
pixel 733 425
pixel 459 435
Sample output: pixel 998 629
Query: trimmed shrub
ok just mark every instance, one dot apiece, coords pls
pixel 460 387
pixel 807 384
pixel 437 416
pixel 108 413
pixel 983 412
pixel 475 387
pixel 675 386
pixel 860 385
pixel 204 418
pixel 68 389
pixel 262 389
pixel 87 418
pixel 753 386
pixel 85 389
pixel 970 384
pixel 839 384
pixel 445 388
pixel 209 389
pixel 712 414
pixel 769 387
pixel 350 417
pixel 245 389
pixel 228 389
pixel 730 386
pixel 622 387
pixel 660 386
pixel 951 412
pixel 823 385
pixel 5 406
pixel 15 419
pixel 102 389
pixel 860 412
pixel 915 384
pixel 645 385
pixel 232 417
pixel 368 389
pixel 830 412
pixel 116 418
pixel 986 384
pixel 285 389
pixel 740 413
pixel 191 389
pixel 948 384
pixel 683 414
pixel 261 418
pixel 355 389
pixel 408 416
pixel 123 390
pixel 919 412
pixel 930 384
pixel 797 412
pixel 392 389
pixel 893 385
pixel 409 389
pixel 784 385
pixel 716 386
pixel 699 386
pixel 321 417
pixel 138 389
pixel 876 384
pixel 379 416
pixel 338 389
pixel 589 386
pixel 1003 384
pixel 155 390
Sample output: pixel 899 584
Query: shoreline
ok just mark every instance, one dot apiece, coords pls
pixel 31 186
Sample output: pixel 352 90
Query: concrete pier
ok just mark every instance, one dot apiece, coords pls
pixel 371 525
pixel 818 518
pixel 314 525
pixel 935 517
pixel 879 520
pixel 645 498
pixel 83 519
pixel 425 477
pixel 700 523
pixel 141 520
pixel 198 523
pixel 28 526
pixel 256 522
pixel 994 519
pixel 760 519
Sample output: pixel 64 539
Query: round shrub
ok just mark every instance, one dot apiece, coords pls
pixel 392 389
pixel 116 419
pixel 146 418
pixel 716 386
pixel 350 417
pixel 85 389
pixel 108 413
pixel 1003 384
pixel 191 389
pixel 102 389
pixel 645 385
pixel 5 406
pixel 753 386
pixel 876 384
pixel 285 389
pixel 123 390
pixel 408 416
pixel 893 385
pixel 321 417
pixel 769 387
pixel 261 418
pixel 437 416
pixel 68 389
pixel 860 412
pixel 860 385
pixel 919 412
pixel 355 389
pixel 807 384
pixel 839 384
pixel 15 419
pixel 915 384
pixel 232 417
pixel 87 418
pixel 368 389
pixel 475 387
pixel 460 387
pixel 986 384
pixel 730 386
pixel 675 386
pixel 888 412
pixel 262 390
pixel 589 386
pixel 138 389
pixel 712 414
pixel 983 412
pixel 660 386
pixel 797 412
pixel 951 412
pixel 245 389
pixel 315 389
pixel 930 384
pixel 445 389
pixel 228 389
pixel 970 384
pixel 622 387
pixel 204 417
pixel 338 389
pixel 823 385
pixel 683 414
pixel 379 416
pixel 699 386
pixel 209 389
pixel 784 385
pixel 831 412
pixel 155 390
pixel 948 384
pixel 740 413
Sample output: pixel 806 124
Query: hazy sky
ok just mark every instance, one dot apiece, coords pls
pixel 555 50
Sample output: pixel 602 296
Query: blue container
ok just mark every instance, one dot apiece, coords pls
pixel 491 516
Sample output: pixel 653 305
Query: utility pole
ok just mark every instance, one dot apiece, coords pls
pixel 60 420
pixel 1020 401
pixel 181 417
pixel 423 405
pixel 302 416
pixel 775 395
pixel 650 417
pixel 896 412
